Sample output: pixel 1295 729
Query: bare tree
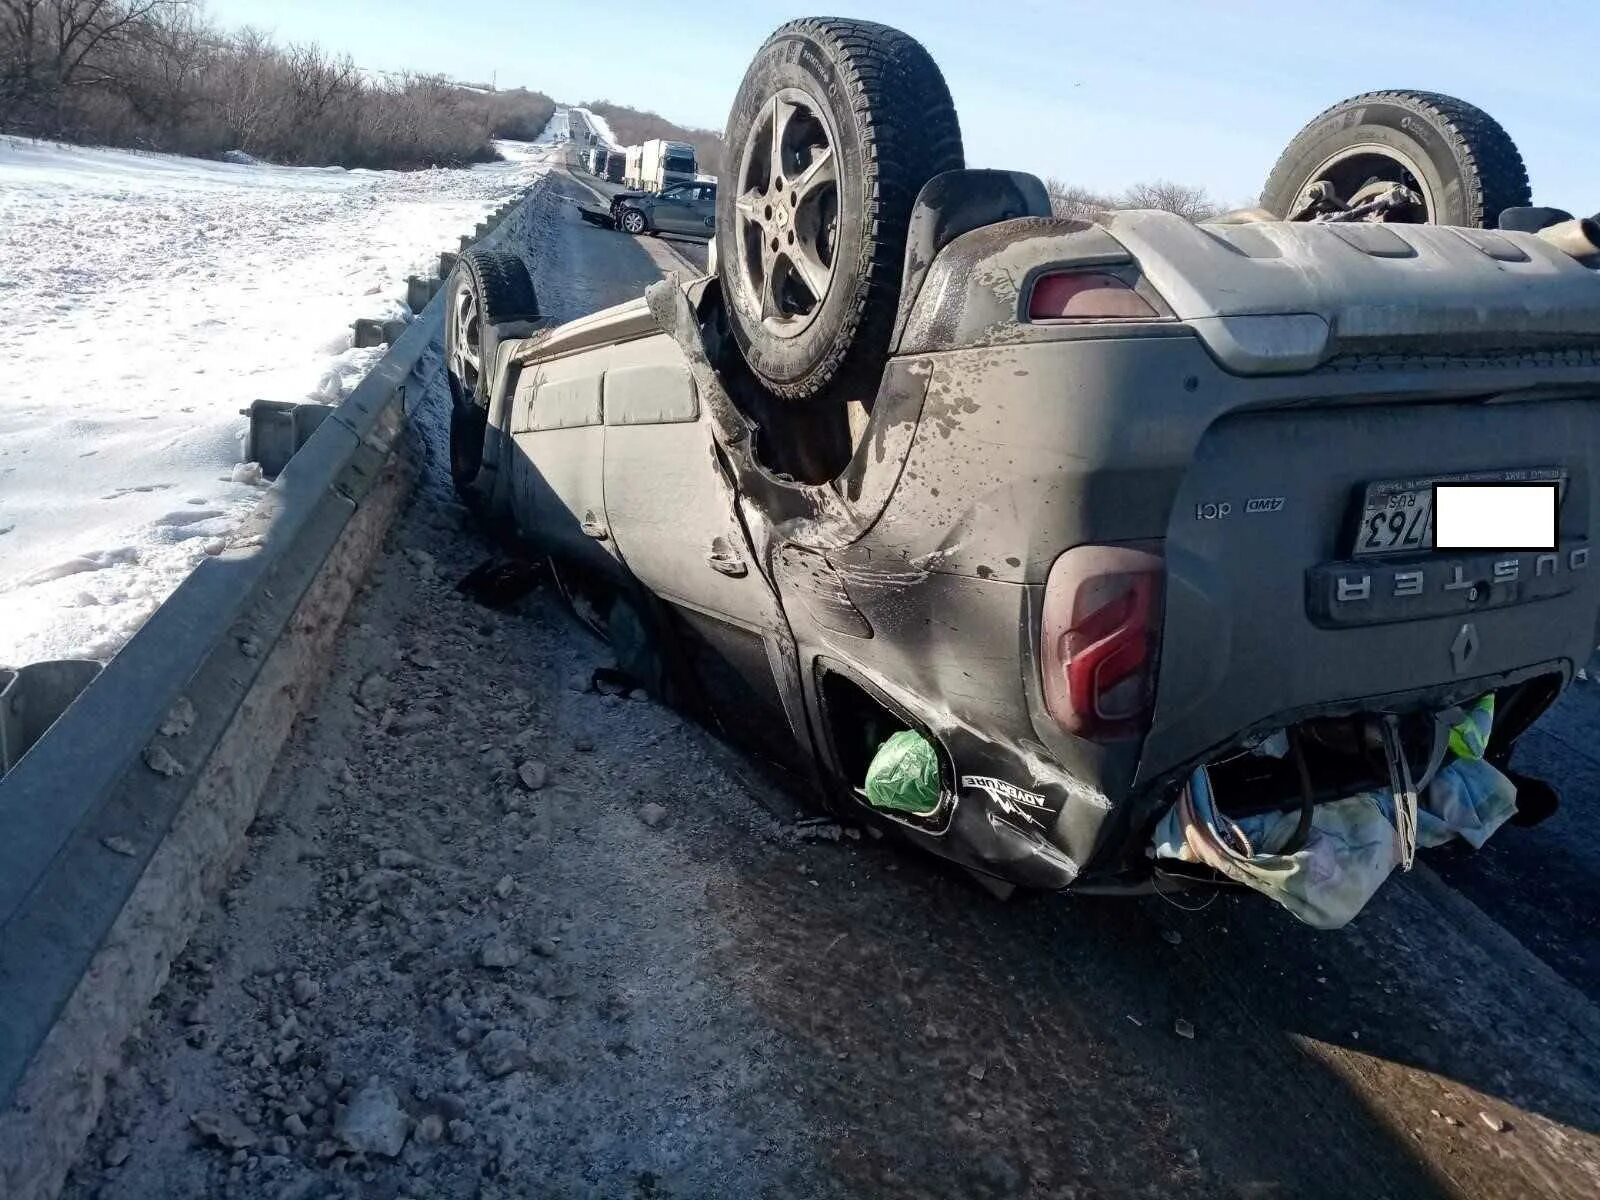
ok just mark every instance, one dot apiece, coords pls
pixel 244 94
pixel 1190 202
pixel 1082 204
pixel 163 73
pixel 55 47
pixel 1074 202
pixel 156 74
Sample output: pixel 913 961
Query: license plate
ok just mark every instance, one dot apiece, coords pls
pixel 1397 514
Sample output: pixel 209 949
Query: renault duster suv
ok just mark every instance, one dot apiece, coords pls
pixel 1089 508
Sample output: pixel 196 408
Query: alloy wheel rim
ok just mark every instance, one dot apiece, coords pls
pixel 466 356
pixel 786 212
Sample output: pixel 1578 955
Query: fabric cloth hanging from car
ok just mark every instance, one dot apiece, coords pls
pixel 1353 844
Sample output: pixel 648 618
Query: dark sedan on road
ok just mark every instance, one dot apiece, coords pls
pixel 683 208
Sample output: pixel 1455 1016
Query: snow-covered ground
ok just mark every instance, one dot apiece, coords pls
pixel 145 300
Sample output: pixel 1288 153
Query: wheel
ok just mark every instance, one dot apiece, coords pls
pixel 633 221
pixel 834 130
pixel 1453 163
pixel 487 289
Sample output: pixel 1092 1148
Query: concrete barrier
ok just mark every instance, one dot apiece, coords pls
pixel 33 698
pixel 419 291
pixel 277 431
pixel 124 819
pixel 367 331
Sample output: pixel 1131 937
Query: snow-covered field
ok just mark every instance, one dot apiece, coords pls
pixel 145 300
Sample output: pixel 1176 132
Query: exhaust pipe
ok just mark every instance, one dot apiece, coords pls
pixel 1579 237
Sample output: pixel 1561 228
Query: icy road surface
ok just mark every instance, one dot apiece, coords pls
pixel 147 299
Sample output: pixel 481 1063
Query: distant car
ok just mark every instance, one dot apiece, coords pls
pixel 683 208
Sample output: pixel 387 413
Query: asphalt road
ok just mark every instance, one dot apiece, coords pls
pixel 693 999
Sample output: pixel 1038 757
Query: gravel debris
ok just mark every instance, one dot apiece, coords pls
pixel 160 760
pixel 373 1121
pixel 179 719
pixel 224 1129
pixel 498 953
pixel 501 1052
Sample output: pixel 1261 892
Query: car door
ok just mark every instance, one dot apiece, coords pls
pixel 703 210
pixel 674 518
pixel 671 213
pixel 558 459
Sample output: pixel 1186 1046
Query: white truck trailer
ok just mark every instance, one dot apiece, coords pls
pixel 663 162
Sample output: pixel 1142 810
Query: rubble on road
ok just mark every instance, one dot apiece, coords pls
pixel 373 1121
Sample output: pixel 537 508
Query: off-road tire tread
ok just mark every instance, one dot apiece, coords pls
pixel 1495 172
pixel 505 293
pixel 505 289
pixel 913 135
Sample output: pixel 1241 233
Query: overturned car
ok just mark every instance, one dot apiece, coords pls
pixel 1096 555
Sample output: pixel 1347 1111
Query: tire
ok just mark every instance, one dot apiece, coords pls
pixel 1468 167
pixel 487 289
pixel 870 101
pixel 633 221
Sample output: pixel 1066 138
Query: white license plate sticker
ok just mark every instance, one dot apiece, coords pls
pixel 1495 516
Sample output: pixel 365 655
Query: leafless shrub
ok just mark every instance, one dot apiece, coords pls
pixel 53 50
pixel 1069 200
pixel 155 74
pixel 515 112
pixel 1180 198
pixel 1075 203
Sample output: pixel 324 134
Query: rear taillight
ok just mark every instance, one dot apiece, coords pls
pixel 1101 638
pixel 1086 296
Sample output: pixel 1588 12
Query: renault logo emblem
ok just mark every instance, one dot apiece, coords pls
pixel 1465 648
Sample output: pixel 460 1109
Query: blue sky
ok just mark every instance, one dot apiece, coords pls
pixel 1101 93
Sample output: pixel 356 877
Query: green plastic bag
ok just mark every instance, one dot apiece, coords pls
pixel 904 774
pixel 1469 737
